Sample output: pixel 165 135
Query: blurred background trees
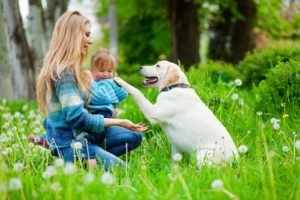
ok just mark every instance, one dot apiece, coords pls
pixel 142 32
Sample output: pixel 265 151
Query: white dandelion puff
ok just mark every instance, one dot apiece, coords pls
pixel 55 186
pixel 51 170
pixel 274 120
pixel 259 113
pixel 294 134
pixel 76 145
pixel 217 184
pixel 276 126
pixel 59 162
pixel 18 166
pixel 177 157
pixel 69 168
pixel 297 144
pixel 36 131
pixel 235 96
pixel 17 115
pixel 24 107
pixel 285 149
pixel 89 178
pixel 107 178
pixel 243 149
pixel 15 184
pixel 238 82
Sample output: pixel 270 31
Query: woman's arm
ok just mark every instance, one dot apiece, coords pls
pixel 72 106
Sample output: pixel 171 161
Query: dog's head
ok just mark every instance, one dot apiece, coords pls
pixel 162 74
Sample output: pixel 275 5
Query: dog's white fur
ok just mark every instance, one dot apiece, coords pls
pixel 188 123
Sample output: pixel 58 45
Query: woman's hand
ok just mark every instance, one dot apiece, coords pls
pixel 140 127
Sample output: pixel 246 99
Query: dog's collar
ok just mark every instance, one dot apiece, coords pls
pixel 179 85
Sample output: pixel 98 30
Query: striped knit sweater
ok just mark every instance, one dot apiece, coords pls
pixel 67 115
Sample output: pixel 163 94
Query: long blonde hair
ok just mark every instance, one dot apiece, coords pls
pixel 64 52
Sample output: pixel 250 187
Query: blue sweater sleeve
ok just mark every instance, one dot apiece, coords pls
pixel 120 92
pixel 73 109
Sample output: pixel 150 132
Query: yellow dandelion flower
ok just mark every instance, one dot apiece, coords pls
pixel 285 115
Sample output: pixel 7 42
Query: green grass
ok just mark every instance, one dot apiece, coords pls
pixel 264 172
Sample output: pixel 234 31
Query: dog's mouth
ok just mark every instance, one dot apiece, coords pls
pixel 150 80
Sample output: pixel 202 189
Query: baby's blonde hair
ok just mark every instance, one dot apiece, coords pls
pixel 65 51
pixel 102 59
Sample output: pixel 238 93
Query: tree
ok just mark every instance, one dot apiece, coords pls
pixel 5 71
pixel 25 54
pixel 184 22
pixel 232 36
pixel 19 53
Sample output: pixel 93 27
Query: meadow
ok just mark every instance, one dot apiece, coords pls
pixel 267 135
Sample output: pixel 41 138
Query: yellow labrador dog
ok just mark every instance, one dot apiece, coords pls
pixel 188 123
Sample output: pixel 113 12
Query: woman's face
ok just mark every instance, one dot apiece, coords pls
pixel 86 40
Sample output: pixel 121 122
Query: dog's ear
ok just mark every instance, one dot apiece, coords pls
pixel 172 75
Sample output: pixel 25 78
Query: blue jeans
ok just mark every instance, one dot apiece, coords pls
pixel 116 142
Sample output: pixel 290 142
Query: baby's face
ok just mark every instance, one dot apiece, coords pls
pixel 102 73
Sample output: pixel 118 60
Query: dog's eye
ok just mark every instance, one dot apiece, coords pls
pixel 157 66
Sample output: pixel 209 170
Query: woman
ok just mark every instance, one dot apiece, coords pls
pixel 62 91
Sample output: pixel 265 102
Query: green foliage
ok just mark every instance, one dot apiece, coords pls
pixel 144 30
pixel 219 71
pixel 256 65
pixel 282 85
pixel 264 172
pixel 270 18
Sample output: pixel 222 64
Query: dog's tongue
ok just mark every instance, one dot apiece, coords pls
pixel 150 80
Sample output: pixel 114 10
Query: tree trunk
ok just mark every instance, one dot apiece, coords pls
pixel 185 32
pixel 55 8
pixel 5 70
pixel 19 52
pixel 113 30
pixel 35 33
pixel 233 36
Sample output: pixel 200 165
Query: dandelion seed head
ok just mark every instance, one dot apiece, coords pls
pixel 235 96
pixel 37 131
pixel 76 145
pixel 55 186
pixel 59 162
pixel 276 126
pixel 297 144
pixel 17 115
pixel 24 107
pixel 238 82
pixel 15 184
pixel 259 113
pixel 243 149
pixel 89 178
pixel 177 157
pixel 217 184
pixel 285 149
pixel 18 167
pixel 107 178
pixel 294 134
pixel 69 168
pixel 274 120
